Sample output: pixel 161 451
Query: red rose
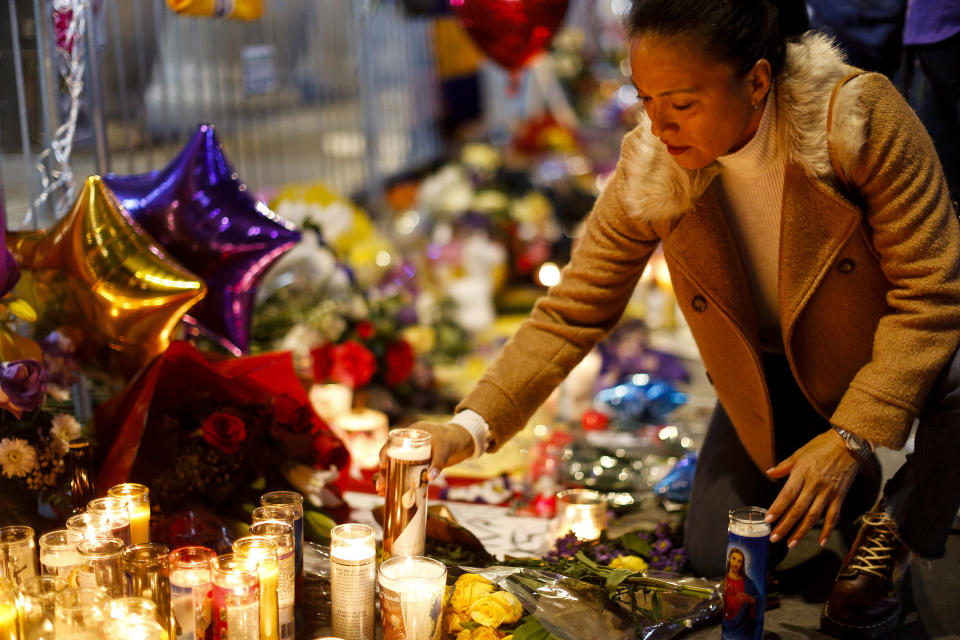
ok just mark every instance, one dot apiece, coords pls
pixel 322 362
pixel 399 362
pixel 224 431
pixel 366 330
pixel 353 364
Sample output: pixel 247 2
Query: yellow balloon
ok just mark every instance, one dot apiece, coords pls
pixel 101 280
pixel 240 9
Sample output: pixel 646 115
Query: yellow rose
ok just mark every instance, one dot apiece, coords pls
pixel 633 563
pixel 469 588
pixel 453 621
pixel 496 609
pixel 481 633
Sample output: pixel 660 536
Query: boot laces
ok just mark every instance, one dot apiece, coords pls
pixel 875 554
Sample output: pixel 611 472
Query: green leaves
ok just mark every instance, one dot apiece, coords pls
pixel 531 629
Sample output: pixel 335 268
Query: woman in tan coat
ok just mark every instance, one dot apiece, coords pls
pixel 814 252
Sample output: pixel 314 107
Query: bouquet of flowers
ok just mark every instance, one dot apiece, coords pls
pixel 216 432
pixel 36 415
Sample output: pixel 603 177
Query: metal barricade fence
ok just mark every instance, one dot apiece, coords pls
pixel 335 90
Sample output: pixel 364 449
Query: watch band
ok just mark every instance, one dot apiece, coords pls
pixel 858 445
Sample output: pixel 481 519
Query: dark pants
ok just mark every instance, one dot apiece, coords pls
pixel 923 495
pixel 937 101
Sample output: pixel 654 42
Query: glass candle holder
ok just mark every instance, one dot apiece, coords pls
pixel 262 553
pixel 100 565
pixel 331 400
pixel 133 608
pixel 582 512
pixel 146 574
pixel 411 597
pixel 18 553
pixel 405 523
pixel 116 513
pixel 58 552
pixel 236 598
pixel 8 610
pixel 363 431
pixel 281 533
pixel 293 501
pixel 353 577
pixel 137 497
pixel 37 606
pixel 133 629
pixel 91 525
pixel 190 592
pixel 79 613
pixel 744 586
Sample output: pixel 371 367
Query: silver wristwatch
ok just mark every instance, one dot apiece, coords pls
pixel 857 445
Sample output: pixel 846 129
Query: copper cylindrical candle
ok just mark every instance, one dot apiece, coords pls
pixel 405 525
pixel 146 574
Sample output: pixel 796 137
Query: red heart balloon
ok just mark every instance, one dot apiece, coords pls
pixel 511 32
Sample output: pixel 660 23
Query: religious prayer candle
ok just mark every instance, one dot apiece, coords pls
pixel 281 532
pixel 58 552
pixel 91 525
pixel 293 501
pixel 405 525
pixel 236 598
pixel 744 586
pixel 411 597
pixel 146 574
pixel 79 613
pixel 137 497
pixel 18 555
pixel 116 513
pixel 262 553
pixel 191 595
pixel 133 629
pixel 581 512
pixel 353 569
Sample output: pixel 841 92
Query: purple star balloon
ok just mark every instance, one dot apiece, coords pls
pixel 202 214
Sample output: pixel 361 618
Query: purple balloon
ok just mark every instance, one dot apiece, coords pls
pixel 9 269
pixel 204 216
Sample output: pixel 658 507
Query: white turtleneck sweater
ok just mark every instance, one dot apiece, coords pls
pixel 751 194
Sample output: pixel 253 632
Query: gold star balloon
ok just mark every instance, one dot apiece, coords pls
pixel 100 279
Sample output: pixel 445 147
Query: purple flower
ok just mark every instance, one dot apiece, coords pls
pixel 678 560
pixel 604 553
pixel 662 546
pixel 658 561
pixel 568 545
pixel 662 530
pixel 24 382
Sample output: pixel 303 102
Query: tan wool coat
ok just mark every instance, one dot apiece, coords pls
pixel 869 280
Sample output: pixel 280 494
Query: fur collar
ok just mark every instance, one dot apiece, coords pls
pixel 656 188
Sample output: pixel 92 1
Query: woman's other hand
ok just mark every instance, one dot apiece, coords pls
pixel 820 474
pixel 450 444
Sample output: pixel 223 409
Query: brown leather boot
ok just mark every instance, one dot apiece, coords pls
pixel 865 600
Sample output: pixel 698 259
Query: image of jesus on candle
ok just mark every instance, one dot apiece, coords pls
pixel 740 598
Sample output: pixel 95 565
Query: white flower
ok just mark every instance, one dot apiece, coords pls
pixel 17 457
pixel 64 428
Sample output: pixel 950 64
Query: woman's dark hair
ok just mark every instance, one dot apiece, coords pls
pixel 737 32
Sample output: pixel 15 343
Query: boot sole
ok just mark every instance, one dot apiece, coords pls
pixel 875 631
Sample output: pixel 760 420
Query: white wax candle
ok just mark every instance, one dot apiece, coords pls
pixel 409 450
pixel 352 581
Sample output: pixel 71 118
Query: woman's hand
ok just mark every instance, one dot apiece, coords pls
pixel 821 473
pixel 450 444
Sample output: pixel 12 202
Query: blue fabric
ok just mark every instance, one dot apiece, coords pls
pixel 930 21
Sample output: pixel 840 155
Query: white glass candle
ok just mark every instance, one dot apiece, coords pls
pixel 91 525
pixel 137 497
pixel 281 532
pixel 18 553
pixel 330 400
pixel 405 522
pixel 353 569
pixel 411 597
pixel 581 512
pixel 58 552
pixel 364 432
pixel 293 501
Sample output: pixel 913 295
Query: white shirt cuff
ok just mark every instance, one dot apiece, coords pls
pixel 477 427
